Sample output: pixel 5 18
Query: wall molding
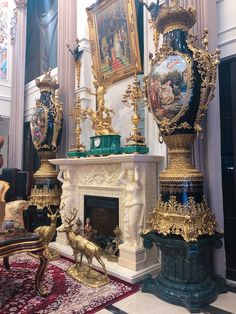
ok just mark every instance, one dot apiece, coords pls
pixel 4 84
pixel 227 42
pixel 227 30
pixel 5 98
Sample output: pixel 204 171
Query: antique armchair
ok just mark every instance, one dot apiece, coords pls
pixel 13 210
pixel 19 240
pixel 4 187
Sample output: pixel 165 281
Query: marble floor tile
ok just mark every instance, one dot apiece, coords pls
pixel 226 302
pixel 103 311
pixel 145 303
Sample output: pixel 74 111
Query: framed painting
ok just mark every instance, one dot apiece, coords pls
pixel 114 39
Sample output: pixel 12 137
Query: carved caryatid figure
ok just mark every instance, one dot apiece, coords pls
pixel 133 204
pixel 68 192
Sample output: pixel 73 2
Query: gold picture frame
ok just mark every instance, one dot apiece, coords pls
pixel 114 40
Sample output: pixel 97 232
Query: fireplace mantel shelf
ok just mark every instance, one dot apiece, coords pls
pixel 108 159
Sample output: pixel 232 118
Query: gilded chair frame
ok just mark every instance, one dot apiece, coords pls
pixel 4 187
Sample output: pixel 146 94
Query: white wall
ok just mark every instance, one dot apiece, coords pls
pixel 226 10
pixel 5 85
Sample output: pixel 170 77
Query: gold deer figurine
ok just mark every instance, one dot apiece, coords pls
pixel 47 232
pixel 85 247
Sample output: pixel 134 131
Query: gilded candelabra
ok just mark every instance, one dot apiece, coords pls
pixel 132 97
pixel 77 113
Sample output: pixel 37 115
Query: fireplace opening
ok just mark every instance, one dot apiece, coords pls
pixel 104 216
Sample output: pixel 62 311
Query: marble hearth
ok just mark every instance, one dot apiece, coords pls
pixel 132 179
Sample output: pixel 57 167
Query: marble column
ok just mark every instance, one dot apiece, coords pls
pixel 18 86
pixel 67 33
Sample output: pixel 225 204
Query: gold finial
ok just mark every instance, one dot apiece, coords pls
pixel 47 83
pixel 78 115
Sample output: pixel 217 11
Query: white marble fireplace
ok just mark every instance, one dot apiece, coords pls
pixel 132 179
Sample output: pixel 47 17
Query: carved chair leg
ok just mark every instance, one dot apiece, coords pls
pixel 40 272
pixel 6 262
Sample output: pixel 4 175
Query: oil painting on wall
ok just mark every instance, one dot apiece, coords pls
pixel 114 43
pixel 3 38
pixel 169 87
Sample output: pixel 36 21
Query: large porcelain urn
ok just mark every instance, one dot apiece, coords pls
pixel 180 84
pixel 46 130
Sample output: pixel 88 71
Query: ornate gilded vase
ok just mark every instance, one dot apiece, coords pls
pixel 180 85
pixel 46 130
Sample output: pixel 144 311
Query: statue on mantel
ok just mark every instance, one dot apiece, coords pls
pixel 68 192
pixel 133 204
pixel 101 118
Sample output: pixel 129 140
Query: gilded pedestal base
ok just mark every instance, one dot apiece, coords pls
pixel 95 279
pixel 182 208
pixel 186 277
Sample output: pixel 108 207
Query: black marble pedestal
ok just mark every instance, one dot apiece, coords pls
pixel 186 277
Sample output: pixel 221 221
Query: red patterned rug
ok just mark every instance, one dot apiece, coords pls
pixel 17 290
